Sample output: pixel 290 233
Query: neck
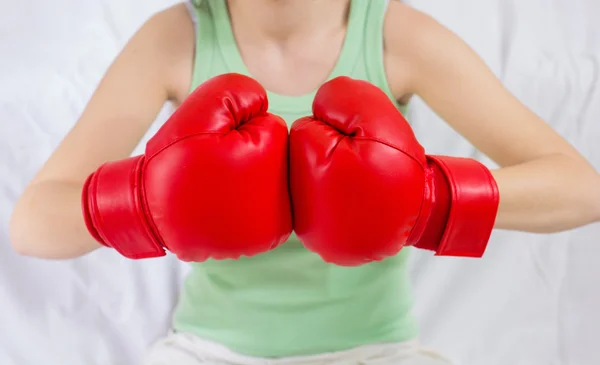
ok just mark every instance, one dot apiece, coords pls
pixel 284 20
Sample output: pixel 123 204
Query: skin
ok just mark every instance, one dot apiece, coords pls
pixel 545 184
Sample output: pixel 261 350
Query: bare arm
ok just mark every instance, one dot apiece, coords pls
pixel 545 184
pixel 154 67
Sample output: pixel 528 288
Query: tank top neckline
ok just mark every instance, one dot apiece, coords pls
pixel 284 103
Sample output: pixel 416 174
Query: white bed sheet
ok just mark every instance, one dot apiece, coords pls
pixel 531 300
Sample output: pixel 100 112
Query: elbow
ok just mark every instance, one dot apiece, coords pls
pixel 20 247
pixel 19 235
pixel 22 231
pixel 26 242
pixel 43 223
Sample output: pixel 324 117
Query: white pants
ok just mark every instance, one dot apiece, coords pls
pixel 187 349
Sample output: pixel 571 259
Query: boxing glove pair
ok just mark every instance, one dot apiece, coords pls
pixel 222 179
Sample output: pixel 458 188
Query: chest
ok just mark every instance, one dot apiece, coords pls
pixel 295 69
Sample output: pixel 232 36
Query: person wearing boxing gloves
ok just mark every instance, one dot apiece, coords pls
pixel 211 184
pixel 363 187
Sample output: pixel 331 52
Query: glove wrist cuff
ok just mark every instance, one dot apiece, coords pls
pixel 87 215
pixel 114 209
pixel 464 203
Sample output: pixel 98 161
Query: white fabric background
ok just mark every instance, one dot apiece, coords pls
pixel 531 300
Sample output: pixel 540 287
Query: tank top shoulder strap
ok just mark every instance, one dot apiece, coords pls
pixel 373 52
pixel 373 41
pixel 205 43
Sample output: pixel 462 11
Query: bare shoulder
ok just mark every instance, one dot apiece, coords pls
pixel 407 34
pixel 429 60
pixel 154 66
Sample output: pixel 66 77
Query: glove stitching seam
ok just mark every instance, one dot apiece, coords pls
pixel 413 157
pixel 148 158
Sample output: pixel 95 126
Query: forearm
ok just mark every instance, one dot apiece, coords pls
pixel 47 222
pixel 550 194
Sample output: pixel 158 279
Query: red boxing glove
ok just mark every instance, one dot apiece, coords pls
pixel 362 187
pixel 211 184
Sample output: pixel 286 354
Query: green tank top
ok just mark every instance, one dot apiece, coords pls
pixel 288 302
